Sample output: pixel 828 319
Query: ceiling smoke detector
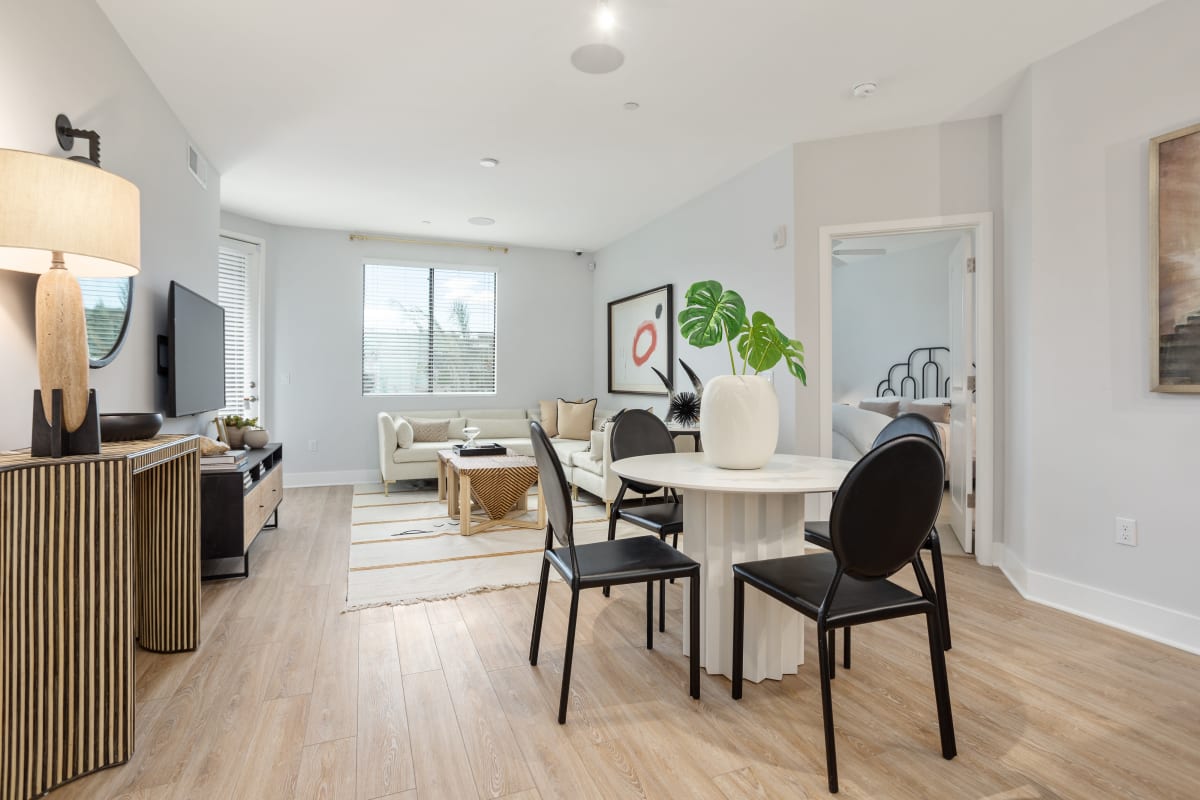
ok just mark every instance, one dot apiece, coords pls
pixel 865 89
pixel 632 106
pixel 481 221
pixel 597 59
pixel 489 162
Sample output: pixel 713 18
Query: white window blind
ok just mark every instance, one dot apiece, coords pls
pixel 233 283
pixel 428 331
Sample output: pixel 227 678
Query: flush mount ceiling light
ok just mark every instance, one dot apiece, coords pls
pixel 481 221
pixel 597 59
pixel 489 162
pixel 865 89
pixel 606 20
pixel 426 222
pixel 631 106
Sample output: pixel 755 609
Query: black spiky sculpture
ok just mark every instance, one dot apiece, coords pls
pixel 683 407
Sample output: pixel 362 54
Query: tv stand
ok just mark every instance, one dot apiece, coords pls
pixel 235 505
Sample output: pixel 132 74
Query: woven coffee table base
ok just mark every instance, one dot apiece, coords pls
pixel 497 485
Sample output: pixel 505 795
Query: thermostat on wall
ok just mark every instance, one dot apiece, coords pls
pixel 779 237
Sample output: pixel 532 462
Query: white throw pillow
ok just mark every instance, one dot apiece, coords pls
pixel 404 434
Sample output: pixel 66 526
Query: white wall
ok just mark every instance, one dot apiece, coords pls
pixel 313 335
pixel 883 308
pixel 65 57
pixel 1099 444
pixel 724 234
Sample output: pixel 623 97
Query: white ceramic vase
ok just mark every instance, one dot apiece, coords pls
pixel 739 421
pixel 256 438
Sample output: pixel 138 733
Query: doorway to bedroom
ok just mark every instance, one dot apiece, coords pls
pixel 903 335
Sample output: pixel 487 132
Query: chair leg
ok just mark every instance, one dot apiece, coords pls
pixel 675 544
pixel 941 687
pixel 662 606
pixel 739 631
pixel 566 680
pixel 536 641
pixel 649 615
pixel 694 633
pixel 846 648
pixel 939 584
pixel 831 652
pixel 825 656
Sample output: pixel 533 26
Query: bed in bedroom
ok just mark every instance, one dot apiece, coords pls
pixel 920 384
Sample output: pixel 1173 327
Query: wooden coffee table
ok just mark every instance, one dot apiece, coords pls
pixel 499 485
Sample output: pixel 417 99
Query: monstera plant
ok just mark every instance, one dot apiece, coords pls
pixel 714 314
pixel 739 418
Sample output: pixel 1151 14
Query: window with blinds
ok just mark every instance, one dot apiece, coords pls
pixel 428 331
pixel 233 294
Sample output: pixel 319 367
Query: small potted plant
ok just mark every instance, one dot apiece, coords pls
pixel 235 429
pixel 739 418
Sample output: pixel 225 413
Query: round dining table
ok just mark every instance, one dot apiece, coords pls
pixel 736 515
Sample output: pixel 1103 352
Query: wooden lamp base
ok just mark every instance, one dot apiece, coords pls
pixel 51 437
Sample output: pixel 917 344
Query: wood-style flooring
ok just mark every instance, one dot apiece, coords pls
pixel 287 697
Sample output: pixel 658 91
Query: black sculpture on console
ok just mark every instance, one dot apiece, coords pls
pixel 683 407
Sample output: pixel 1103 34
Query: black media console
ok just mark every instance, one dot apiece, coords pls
pixel 234 506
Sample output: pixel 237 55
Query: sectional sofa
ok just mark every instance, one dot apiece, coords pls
pixel 587 464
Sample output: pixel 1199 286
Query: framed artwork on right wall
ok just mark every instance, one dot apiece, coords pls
pixel 1175 261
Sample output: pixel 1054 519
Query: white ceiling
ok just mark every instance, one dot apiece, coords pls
pixel 372 115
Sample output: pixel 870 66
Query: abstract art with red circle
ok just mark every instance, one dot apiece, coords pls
pixel 641 330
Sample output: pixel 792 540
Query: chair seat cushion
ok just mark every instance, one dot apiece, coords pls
pixel 662 518
pixel 818 534
pixel 630 560
pixel 803 581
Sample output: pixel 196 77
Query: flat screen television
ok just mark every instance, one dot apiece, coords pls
pixel 195 353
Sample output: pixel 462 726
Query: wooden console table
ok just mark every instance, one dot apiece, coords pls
pixel 95 551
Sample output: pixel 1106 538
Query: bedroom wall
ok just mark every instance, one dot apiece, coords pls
pixel 65 57
pixel 724 234
pixel 883 308
pixel 1099 444
pixel 313 335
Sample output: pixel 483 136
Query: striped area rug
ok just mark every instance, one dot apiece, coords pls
pixel 404 549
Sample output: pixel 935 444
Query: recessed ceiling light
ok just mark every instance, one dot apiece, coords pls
pixel 597 59
pixel 632 106
pixel 489 162
pixel 606 20
pixel 482 221
pixel 865 89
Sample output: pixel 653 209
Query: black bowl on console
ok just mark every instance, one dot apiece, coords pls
pixel 128 427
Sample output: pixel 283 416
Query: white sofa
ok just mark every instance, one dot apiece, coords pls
pixel 585 464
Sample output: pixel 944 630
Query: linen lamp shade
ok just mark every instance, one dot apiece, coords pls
pixel 63 218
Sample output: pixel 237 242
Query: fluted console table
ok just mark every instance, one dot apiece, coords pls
pixel 95 551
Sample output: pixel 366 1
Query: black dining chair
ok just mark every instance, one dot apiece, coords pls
pixel 881 517
pixel 818 532
pixel 637 559
pixel 637 432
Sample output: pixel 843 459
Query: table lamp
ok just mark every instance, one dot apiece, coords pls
pixel 61 218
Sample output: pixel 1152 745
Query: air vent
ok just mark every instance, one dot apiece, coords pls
pixel 197 166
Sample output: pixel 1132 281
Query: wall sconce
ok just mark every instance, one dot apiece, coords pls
pixel 61 218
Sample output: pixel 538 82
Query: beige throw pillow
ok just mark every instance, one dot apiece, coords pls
pixel 575 419
pixel 429 430
pixel 549 414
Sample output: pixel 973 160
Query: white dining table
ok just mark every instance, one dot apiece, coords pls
pixel 731 516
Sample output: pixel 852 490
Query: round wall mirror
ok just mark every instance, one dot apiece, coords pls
pixel 107 304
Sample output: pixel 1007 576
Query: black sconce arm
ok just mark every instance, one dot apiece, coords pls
pixel 67 136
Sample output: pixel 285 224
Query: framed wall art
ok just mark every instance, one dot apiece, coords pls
pixel 641 332
pixel 1175 261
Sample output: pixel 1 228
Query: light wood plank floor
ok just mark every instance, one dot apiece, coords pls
pixel 289 698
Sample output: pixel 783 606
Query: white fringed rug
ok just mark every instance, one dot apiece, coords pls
pixel 404 549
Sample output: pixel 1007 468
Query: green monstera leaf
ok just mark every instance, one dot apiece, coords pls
pixel 762 346
pixel 712 314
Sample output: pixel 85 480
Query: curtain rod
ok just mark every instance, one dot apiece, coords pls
pixel 491 248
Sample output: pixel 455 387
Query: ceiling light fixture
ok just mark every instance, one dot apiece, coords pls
pixel 481 221
pixel 865 89
pixel 632 106
pixel 605 19
pixel 489 162
pixel 597 59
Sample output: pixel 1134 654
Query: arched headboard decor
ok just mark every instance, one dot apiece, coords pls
pixel 921 375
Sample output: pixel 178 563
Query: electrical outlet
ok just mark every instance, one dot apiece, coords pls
pixel 312 445
pixel 1127 531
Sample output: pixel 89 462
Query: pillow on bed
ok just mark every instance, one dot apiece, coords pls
pixel 937 409
pixel 881 405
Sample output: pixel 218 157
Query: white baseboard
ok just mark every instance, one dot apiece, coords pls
pixel 1151 621
pixel 349 477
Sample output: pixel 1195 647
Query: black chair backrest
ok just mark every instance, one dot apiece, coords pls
pixel 555 495
pixel 886 506
pixel 908 425
pixel 637 432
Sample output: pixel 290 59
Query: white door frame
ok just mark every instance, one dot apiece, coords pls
pixel 985 406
